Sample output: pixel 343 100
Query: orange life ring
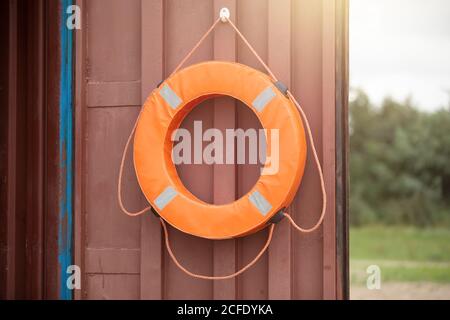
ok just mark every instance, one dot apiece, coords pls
pixel 164 111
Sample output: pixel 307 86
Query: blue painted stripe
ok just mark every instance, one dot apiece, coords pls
pixel 65 233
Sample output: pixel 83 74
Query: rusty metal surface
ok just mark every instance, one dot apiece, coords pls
pixel 53 189
pixel 124 50
pixel 29 142
pixel 4 136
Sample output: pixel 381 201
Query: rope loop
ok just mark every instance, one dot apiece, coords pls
pixel 203 277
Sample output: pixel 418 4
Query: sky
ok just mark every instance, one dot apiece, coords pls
pixel 401 48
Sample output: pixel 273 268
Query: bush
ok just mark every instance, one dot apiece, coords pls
pixel 399 164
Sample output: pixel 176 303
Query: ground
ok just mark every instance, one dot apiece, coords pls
pixel 414 263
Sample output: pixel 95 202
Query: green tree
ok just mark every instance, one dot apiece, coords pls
pixel 399 164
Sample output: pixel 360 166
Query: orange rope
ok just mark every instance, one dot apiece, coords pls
pixel 119 183
pixel 195 47
pixel 319 170
pixel 253 50
pixel 230 276
pixel 291 220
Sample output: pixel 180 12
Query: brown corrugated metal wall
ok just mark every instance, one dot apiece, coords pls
pixel 30 171
pixel 125 48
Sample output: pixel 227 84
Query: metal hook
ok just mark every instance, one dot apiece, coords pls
pixel 224 14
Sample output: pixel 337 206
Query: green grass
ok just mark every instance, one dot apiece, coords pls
pixel 400 244
pixel 403 254
pixel 397 271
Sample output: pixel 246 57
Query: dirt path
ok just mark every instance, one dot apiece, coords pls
pixel 403 291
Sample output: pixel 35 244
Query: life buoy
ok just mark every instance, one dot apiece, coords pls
pixel 164 111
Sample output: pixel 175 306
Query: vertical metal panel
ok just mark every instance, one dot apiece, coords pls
pixel 329 146
pixel 80 148
pixel 152 19
pixel 35 140
pixel 113 49
pixel 148 39
pixel 342 151
pixel 224 176
pixel 33 164
pixel 195 253
pixel 53 190
pixel 252 20
pixel 307 86
pixel 4 127
pixel 11 178
pixel 279 59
